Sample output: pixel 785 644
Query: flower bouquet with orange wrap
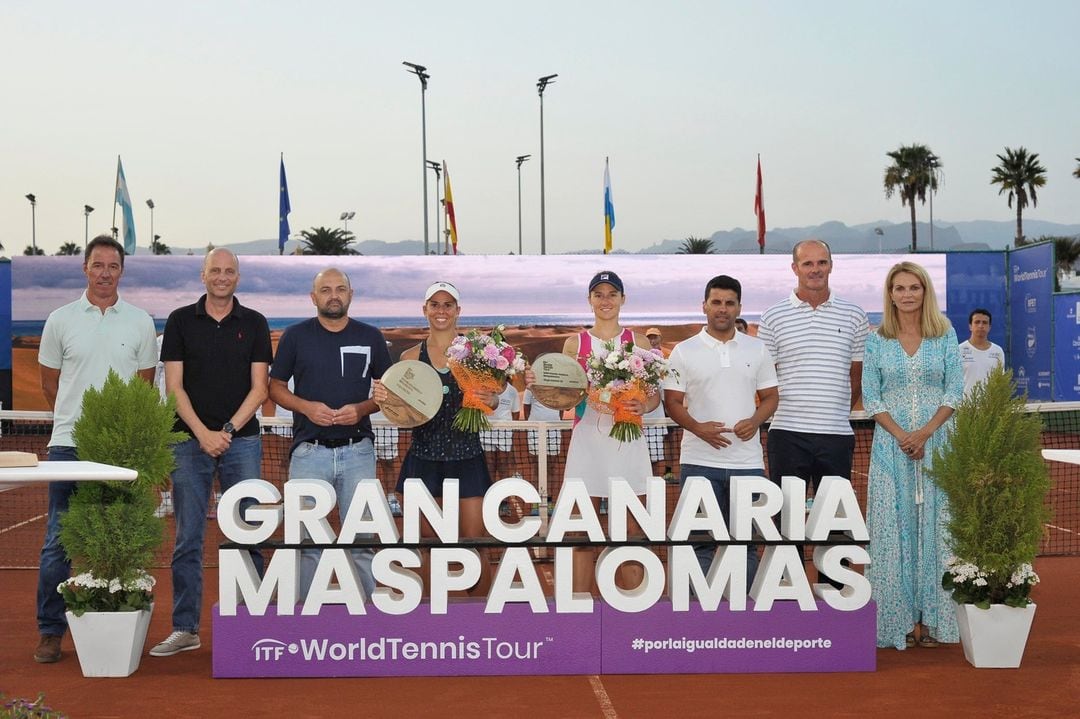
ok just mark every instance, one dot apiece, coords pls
pixel 481 362
pixel 619 375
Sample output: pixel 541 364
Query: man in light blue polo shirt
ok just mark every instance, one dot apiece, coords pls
pixel 81 342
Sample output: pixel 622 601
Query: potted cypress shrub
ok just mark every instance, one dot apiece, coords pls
pixel 996 481
pixel 110 532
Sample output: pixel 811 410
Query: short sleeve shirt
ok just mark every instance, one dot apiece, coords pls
pixel 217 359
pixel 979 363
pixel 335 368
pixel 814 350
pixel 720 381
pixel 84 343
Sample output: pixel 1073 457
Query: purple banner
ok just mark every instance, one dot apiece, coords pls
pixel 783 639
pixel 462 642
pixel 466 641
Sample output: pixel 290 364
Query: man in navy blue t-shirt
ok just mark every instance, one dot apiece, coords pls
pixel 332 360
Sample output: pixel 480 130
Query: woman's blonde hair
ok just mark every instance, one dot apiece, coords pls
pixel 931 323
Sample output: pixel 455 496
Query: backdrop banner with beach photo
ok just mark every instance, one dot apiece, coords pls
pixel 540 299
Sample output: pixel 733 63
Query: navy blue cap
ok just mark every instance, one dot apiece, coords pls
pixel 606 277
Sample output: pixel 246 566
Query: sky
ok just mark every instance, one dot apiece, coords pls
pixel 201 98
pixel 665 289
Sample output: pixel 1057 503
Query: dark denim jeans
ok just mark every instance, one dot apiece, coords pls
pixel 53 566
pixel 192 482
pixel 721 483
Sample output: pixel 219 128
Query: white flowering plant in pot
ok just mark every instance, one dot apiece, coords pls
pixel 110 532
pixel 996 481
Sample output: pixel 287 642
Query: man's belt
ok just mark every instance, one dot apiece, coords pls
pixel 334 443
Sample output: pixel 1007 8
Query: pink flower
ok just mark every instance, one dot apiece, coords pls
pixel 491 352
pixel 637 364
pixel 501 363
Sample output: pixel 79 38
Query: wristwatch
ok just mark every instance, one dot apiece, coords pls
pixel 228 427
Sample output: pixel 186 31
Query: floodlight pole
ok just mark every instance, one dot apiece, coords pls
pixel 421 72
pixel 541 84
pixel 521 159
pixel 33 220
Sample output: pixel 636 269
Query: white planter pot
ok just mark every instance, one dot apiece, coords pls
pixel 109 644
pixel 994 637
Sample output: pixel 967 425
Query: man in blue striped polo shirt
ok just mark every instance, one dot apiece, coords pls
pixel 817 341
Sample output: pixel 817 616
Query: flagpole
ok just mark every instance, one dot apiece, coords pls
pixel 115 185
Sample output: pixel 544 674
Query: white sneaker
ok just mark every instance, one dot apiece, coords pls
pixel 165 508
pixel 175 643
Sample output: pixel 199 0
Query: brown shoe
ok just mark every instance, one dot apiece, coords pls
pixel 48 649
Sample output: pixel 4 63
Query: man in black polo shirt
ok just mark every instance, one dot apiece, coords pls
pixel 332 360
pixel 216 354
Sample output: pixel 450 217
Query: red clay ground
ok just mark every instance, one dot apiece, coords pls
pixel 913 683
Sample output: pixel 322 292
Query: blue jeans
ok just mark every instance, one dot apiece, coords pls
pixel 721 484
pixel 192 482
pixel 344 468
pixel 53 566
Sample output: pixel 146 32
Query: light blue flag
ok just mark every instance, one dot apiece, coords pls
pixel 124 200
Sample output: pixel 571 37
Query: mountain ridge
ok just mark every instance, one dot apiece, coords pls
pixel 842 238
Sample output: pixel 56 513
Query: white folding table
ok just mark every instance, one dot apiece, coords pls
pixel 45 472
pixel 1072 456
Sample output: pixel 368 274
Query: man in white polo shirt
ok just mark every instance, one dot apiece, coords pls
pixel 80 343
pixel 978 354
pixel 817 340
pixel 719 376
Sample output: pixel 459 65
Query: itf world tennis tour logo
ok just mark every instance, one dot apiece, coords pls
pixel 395 649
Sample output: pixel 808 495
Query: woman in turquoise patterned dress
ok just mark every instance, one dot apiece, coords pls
pixel 912 382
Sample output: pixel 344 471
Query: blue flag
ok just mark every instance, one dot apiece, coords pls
pixel 124 200
pixel 283 210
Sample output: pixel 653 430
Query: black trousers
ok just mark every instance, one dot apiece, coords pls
pixel 810 457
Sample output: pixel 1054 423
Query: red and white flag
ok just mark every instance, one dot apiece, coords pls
pixel 759 208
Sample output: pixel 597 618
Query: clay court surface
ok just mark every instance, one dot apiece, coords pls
pixel 913 683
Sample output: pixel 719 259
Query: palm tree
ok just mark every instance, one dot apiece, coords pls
pixel 326 241
pixel 696 246
pixel 158 247
pixel 1019 173
pixel 31 250
pixel 915 170
pixel 1066 252
pixel 68 249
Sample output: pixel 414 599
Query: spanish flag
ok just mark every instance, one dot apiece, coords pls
pixel 448 198
pixel 609 209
